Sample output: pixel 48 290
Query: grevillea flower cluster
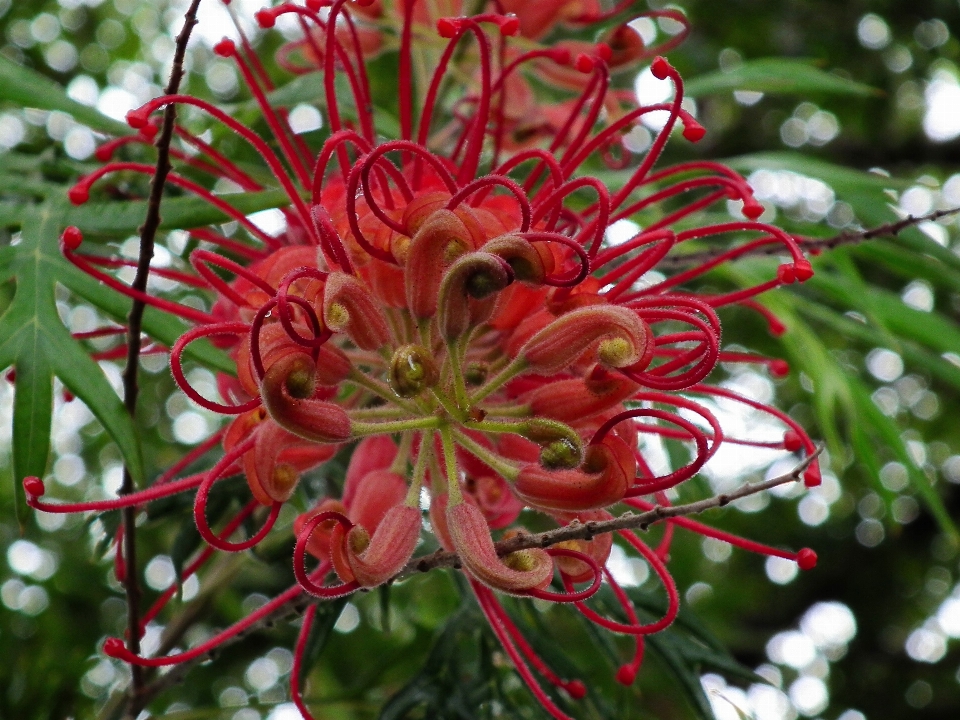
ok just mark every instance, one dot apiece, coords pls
pixel 444 303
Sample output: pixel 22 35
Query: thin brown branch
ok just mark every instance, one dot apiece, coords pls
pixel 626 521
pixel 574 531
pixel 891 229
pixel 148 232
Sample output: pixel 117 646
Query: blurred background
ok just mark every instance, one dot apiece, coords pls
pixel 873 632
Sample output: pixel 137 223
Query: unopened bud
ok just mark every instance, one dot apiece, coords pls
pixel 560 445
pixel 440 240
pixel 287 389
pixel 475 275
pixel 412 370
pixel 349 307
pixel 621 334
pixel 528 265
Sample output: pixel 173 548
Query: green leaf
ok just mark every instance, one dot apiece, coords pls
pixel 124 218
pixel 28 88
pixel 157 324
pixel 781 76
pixel 840 178
pixel 686 676
pixel 914 354
pixel 175 213
pixel 909 265
pixel 839 393
pixel 929 329
pixel 308 88
pixel 34 340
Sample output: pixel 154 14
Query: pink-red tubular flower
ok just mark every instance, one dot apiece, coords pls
pixel 446 303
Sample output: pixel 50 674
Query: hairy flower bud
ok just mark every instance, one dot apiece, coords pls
pixel 440 240
pixel 270 480
pixel 529 264
pixel 601 481
pixel 598 548
pixel 515 573
pixel 574 399
pixel 475 275
pixel 286 390
pixel 560 446
pixel 618 334
pixel 372 560
pixel 349 308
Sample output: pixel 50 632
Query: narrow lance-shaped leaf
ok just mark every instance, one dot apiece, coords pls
pixel 123 218
pixel 777 76
pixel 28 88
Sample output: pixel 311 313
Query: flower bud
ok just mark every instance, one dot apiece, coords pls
pixel 348 307
pixel 286 390
pixel 374 495
pixel 621 334
pixel 575 399
pixel 270 480
pixel 517 572
pixel 440 240
pixel 371 561
pixel 598 548
pixel 412 370
pixel 318 544
pixel 529 265
pixel 560 446
pixel 475 275
pixel 601 481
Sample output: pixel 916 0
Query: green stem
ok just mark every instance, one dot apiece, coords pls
pixel 380 389
pixel 399 464
pixel 508 470
pixel 450 459
pixel 507 410
pixel 453 411
pixel 420 467
pixel 379 413
pixel 360 429
pixel 459 385
pixel 499 380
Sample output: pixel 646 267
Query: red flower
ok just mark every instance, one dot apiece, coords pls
pixel 459 314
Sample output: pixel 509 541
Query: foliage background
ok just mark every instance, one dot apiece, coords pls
pixel 874 345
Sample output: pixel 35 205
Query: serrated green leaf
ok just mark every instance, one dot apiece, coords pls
pixel 778 76
pixel 12 213
pixel 175 214
pixel 35 342
pixel 28 88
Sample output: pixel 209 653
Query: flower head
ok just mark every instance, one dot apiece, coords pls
pixel 446 302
